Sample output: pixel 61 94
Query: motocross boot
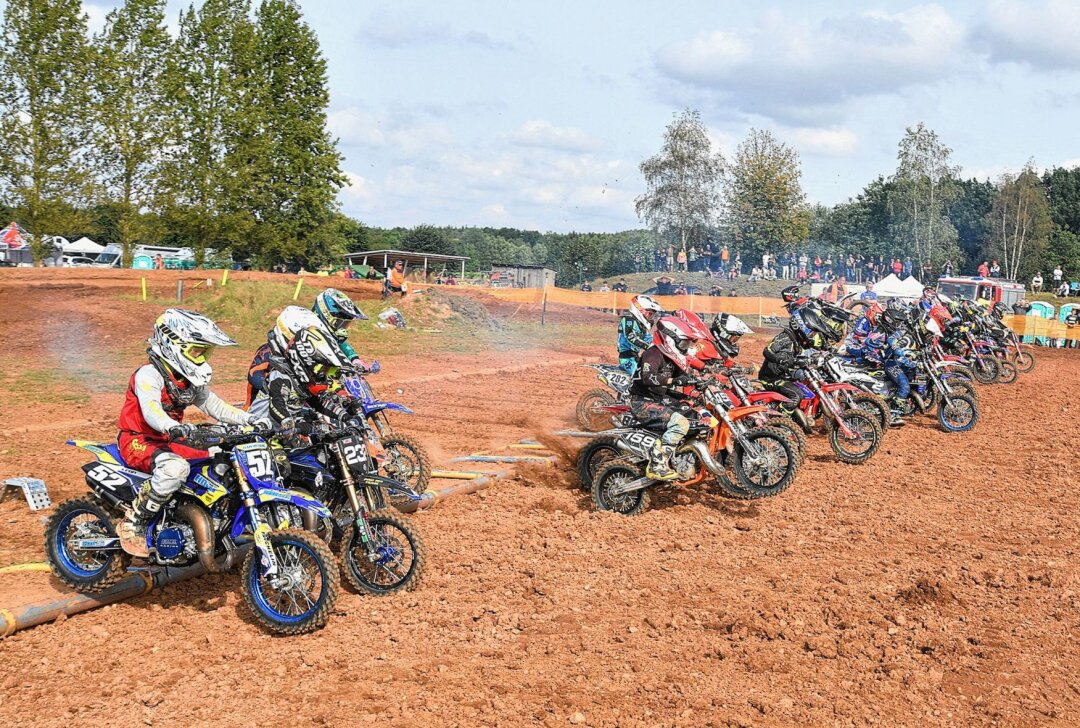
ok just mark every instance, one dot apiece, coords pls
pixel 659 467
pixel 895 420
pixel 132 530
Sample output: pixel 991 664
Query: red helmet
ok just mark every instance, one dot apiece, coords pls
pixel 674 338
pixel 694 323
pixel 872 313
pixel 704 342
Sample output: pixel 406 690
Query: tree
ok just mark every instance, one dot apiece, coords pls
pixel 683 181
pixel 426 239
pixel 922 187
pixel 214 142
pixel 969 213
pixel 1063 188
pixel 298 166
pixel 1063 249
pixel 1019 221
pixel 129 111
pixel 765 208
pixel 43 78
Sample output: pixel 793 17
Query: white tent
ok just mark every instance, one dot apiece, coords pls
pixel 83 246
pixel 913 287
pixel 892 287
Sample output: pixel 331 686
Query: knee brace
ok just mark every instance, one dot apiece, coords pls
pixel 170 471
pixel 677 427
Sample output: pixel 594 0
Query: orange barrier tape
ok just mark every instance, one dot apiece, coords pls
pixel 1041 327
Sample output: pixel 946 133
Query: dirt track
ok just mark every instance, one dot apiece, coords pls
pixel 934 586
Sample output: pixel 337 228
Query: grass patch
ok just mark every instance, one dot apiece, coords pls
pixel 47 386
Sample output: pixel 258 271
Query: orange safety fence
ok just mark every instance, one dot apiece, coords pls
pixel 611 300
pixel 1042 327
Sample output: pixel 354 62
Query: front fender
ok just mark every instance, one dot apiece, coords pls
pixel 738 413
pixel 296 498
pixel 839 387
pixel 391 485
pixel 376 407
pixel 755 397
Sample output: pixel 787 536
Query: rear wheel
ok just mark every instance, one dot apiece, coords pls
pixel 863 441
pixel 874 406
pixel 613 475
pixel 589 415
pixel 959 414
pixel 408 463
pixel 83 570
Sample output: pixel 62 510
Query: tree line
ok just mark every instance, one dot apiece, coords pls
pixel 925 210
pixel 215 139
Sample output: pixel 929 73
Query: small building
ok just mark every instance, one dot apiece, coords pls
pixel 423 262
pixel 521 276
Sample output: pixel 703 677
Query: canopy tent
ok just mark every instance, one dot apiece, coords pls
pixel 913 287
pixel 82 246
pixel 383 259
pixel 892 287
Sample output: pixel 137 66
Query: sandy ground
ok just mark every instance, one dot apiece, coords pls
pixel 934 586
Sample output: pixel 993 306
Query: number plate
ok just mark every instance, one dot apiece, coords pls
pixel 352 448
pixel 257 462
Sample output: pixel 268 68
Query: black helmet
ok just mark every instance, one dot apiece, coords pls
pixel 892 319
pixel 816 319
pixel 790 294
pixel 998 310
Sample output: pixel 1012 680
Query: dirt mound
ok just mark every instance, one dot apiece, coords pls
pixel 467 308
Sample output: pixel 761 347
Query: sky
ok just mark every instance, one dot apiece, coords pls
pixel 537 114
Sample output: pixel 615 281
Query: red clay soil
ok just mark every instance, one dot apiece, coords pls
pixel 936 585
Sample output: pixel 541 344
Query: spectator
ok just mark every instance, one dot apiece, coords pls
pixel 755 274
pixel 802 275
pixel 828 261
pixel 1062 291
pixel 946 270
pixel 907 267
pixel 737 265
pixel 817 265
pixel 604 288
pixel 714 257
pixel 983 270
pixel 681 259
pixel 836 291
pixel 692 258
pixel 680 290
pixel 1036 282
pixel 731 274
pixel 765 258
pixel 849 267
pixel 450 280
pixel 868 295
pixel 732 293
pixel 725 256
pixel 927 272
pixel 586 286
pixel 995 269
pixel 663 286
pixel 769 274
pixel 860 266
pixel 804 261
pixel 637 263
pixel 1057 275
pixel 897 267
pixel 620 287
pixel 395 279
pixel 159 262
pixel 1021 307
pixel 815 278
pixel 829 275
pixel 1074 288
pixel 715 291
pixel 670 259
pixel 658 260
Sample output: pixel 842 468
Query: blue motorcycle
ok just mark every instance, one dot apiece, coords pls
pixel 231 498
pixel 407 461
pixel 381 551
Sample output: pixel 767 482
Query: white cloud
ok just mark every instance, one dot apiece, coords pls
pixel 403 132
pixel 357 188
pixel 1071 163
pixel 1042 34
pixel 545 135
pixel 824 141
pixel 798 71
pixel 392 29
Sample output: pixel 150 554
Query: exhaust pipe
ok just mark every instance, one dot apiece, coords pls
pixel 702 451
pixel 201 526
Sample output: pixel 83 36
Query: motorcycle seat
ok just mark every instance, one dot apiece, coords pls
pixel 653 424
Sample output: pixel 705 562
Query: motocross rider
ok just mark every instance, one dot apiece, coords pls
pixel 855 344
pixel 657 391
pixel 303 378
pixel 176 377
pixel 635 330
pixel 337 312
pixel 886 348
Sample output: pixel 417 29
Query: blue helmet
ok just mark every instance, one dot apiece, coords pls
pixel 337 311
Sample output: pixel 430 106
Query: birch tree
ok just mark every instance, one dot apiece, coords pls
pixel 1020 221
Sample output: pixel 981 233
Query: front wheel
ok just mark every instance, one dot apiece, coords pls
pixel 615 474
pixel 863 441
pixel 959 414
pixel 985 369
pixel 396 561
pixel 589 415
pixel 83 570
pixel 300 596
pixel 408 463
pixel 1024 361
pixel 593 456
pixel 768 467
pixel 794 433
pixel 1007 372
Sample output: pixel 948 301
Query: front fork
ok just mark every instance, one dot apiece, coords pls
pixel 830 406
pixel 260 529
pixel 359 507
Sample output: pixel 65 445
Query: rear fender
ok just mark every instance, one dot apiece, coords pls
pixel 738 413
pixel 772 397
pixel 839 387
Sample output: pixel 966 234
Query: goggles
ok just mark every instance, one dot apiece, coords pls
pixel 198 353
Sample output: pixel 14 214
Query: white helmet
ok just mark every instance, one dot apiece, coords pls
pixel 184 340
pixel 727 329
pixel 641 307
pixel 289 322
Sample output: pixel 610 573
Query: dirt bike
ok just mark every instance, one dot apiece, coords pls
pixel 408 461
pixel 233 496
pixel 1022 356
pixel 739 391
pixel 381 551
pixel 762 459
pixel 591 410
pixel 854 434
